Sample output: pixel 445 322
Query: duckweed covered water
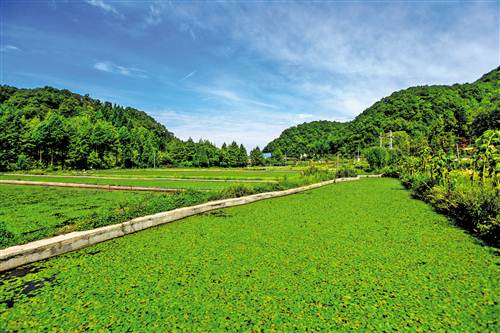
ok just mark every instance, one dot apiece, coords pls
pixel 351 256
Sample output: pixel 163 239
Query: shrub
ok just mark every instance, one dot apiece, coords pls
pixel 377 157
pixel 420 184
pixel 313 174
pixel 390 171
pixel 476 208
pixel 473 206
pixel 343 173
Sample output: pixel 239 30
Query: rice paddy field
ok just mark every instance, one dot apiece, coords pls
pixel 357 256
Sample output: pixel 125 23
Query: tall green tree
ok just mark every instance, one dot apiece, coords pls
pixel 256 158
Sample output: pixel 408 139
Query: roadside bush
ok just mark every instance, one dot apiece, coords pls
pixel 344 173
pixel 235 191
pixel 313 174
pixel 150 205
pixel 23 163
pixel 474 207
pixel 390 171
pixel 377 157
pixel 419 184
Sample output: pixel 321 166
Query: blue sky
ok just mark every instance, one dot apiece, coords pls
pixel 245 71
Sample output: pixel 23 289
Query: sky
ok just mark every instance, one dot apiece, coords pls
pixel 245 70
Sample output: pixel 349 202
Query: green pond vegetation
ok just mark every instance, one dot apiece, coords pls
pixel 222 174
pixel 351 256
pixel 30 213
pixel 171 184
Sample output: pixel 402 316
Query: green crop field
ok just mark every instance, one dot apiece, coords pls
pixel 221 174
pixel 351 256
pixel 31 212
pixel 171 184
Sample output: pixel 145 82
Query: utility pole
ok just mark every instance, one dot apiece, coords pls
pixel 390 139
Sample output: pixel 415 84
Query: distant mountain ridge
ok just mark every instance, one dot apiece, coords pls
pixel 442 115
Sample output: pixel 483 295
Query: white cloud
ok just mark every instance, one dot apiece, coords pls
pixel 304 116
pixel 104 6
pixel 249 126
pixel 110 67
pixel 232 96
pixel 8 48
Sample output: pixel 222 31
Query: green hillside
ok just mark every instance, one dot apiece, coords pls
pixel 438 115
pixel 50 126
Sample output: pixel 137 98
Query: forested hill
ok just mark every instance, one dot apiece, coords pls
pixel 441 116
pixel 49 126
pixel 307 138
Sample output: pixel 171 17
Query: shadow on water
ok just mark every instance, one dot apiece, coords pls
pixel 27 288
pixel 217 213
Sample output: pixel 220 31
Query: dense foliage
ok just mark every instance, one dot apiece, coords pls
pixel 438 116
pixel 47 127
pixel 308 140
pixel 359 256
pixel 466 188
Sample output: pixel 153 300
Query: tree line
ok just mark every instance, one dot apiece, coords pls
pixel 47 127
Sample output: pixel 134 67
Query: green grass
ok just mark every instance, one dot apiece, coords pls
pixel 212 173
pixel 351 256
pixel 173 184
pixel 29 213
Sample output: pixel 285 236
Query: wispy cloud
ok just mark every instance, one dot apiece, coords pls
pixel 304 116
pixel 8 48
pixel 232 96
pixel 155 12
pixel 110 67
pixel 188 76
pixel 358 53
pixel 104 6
